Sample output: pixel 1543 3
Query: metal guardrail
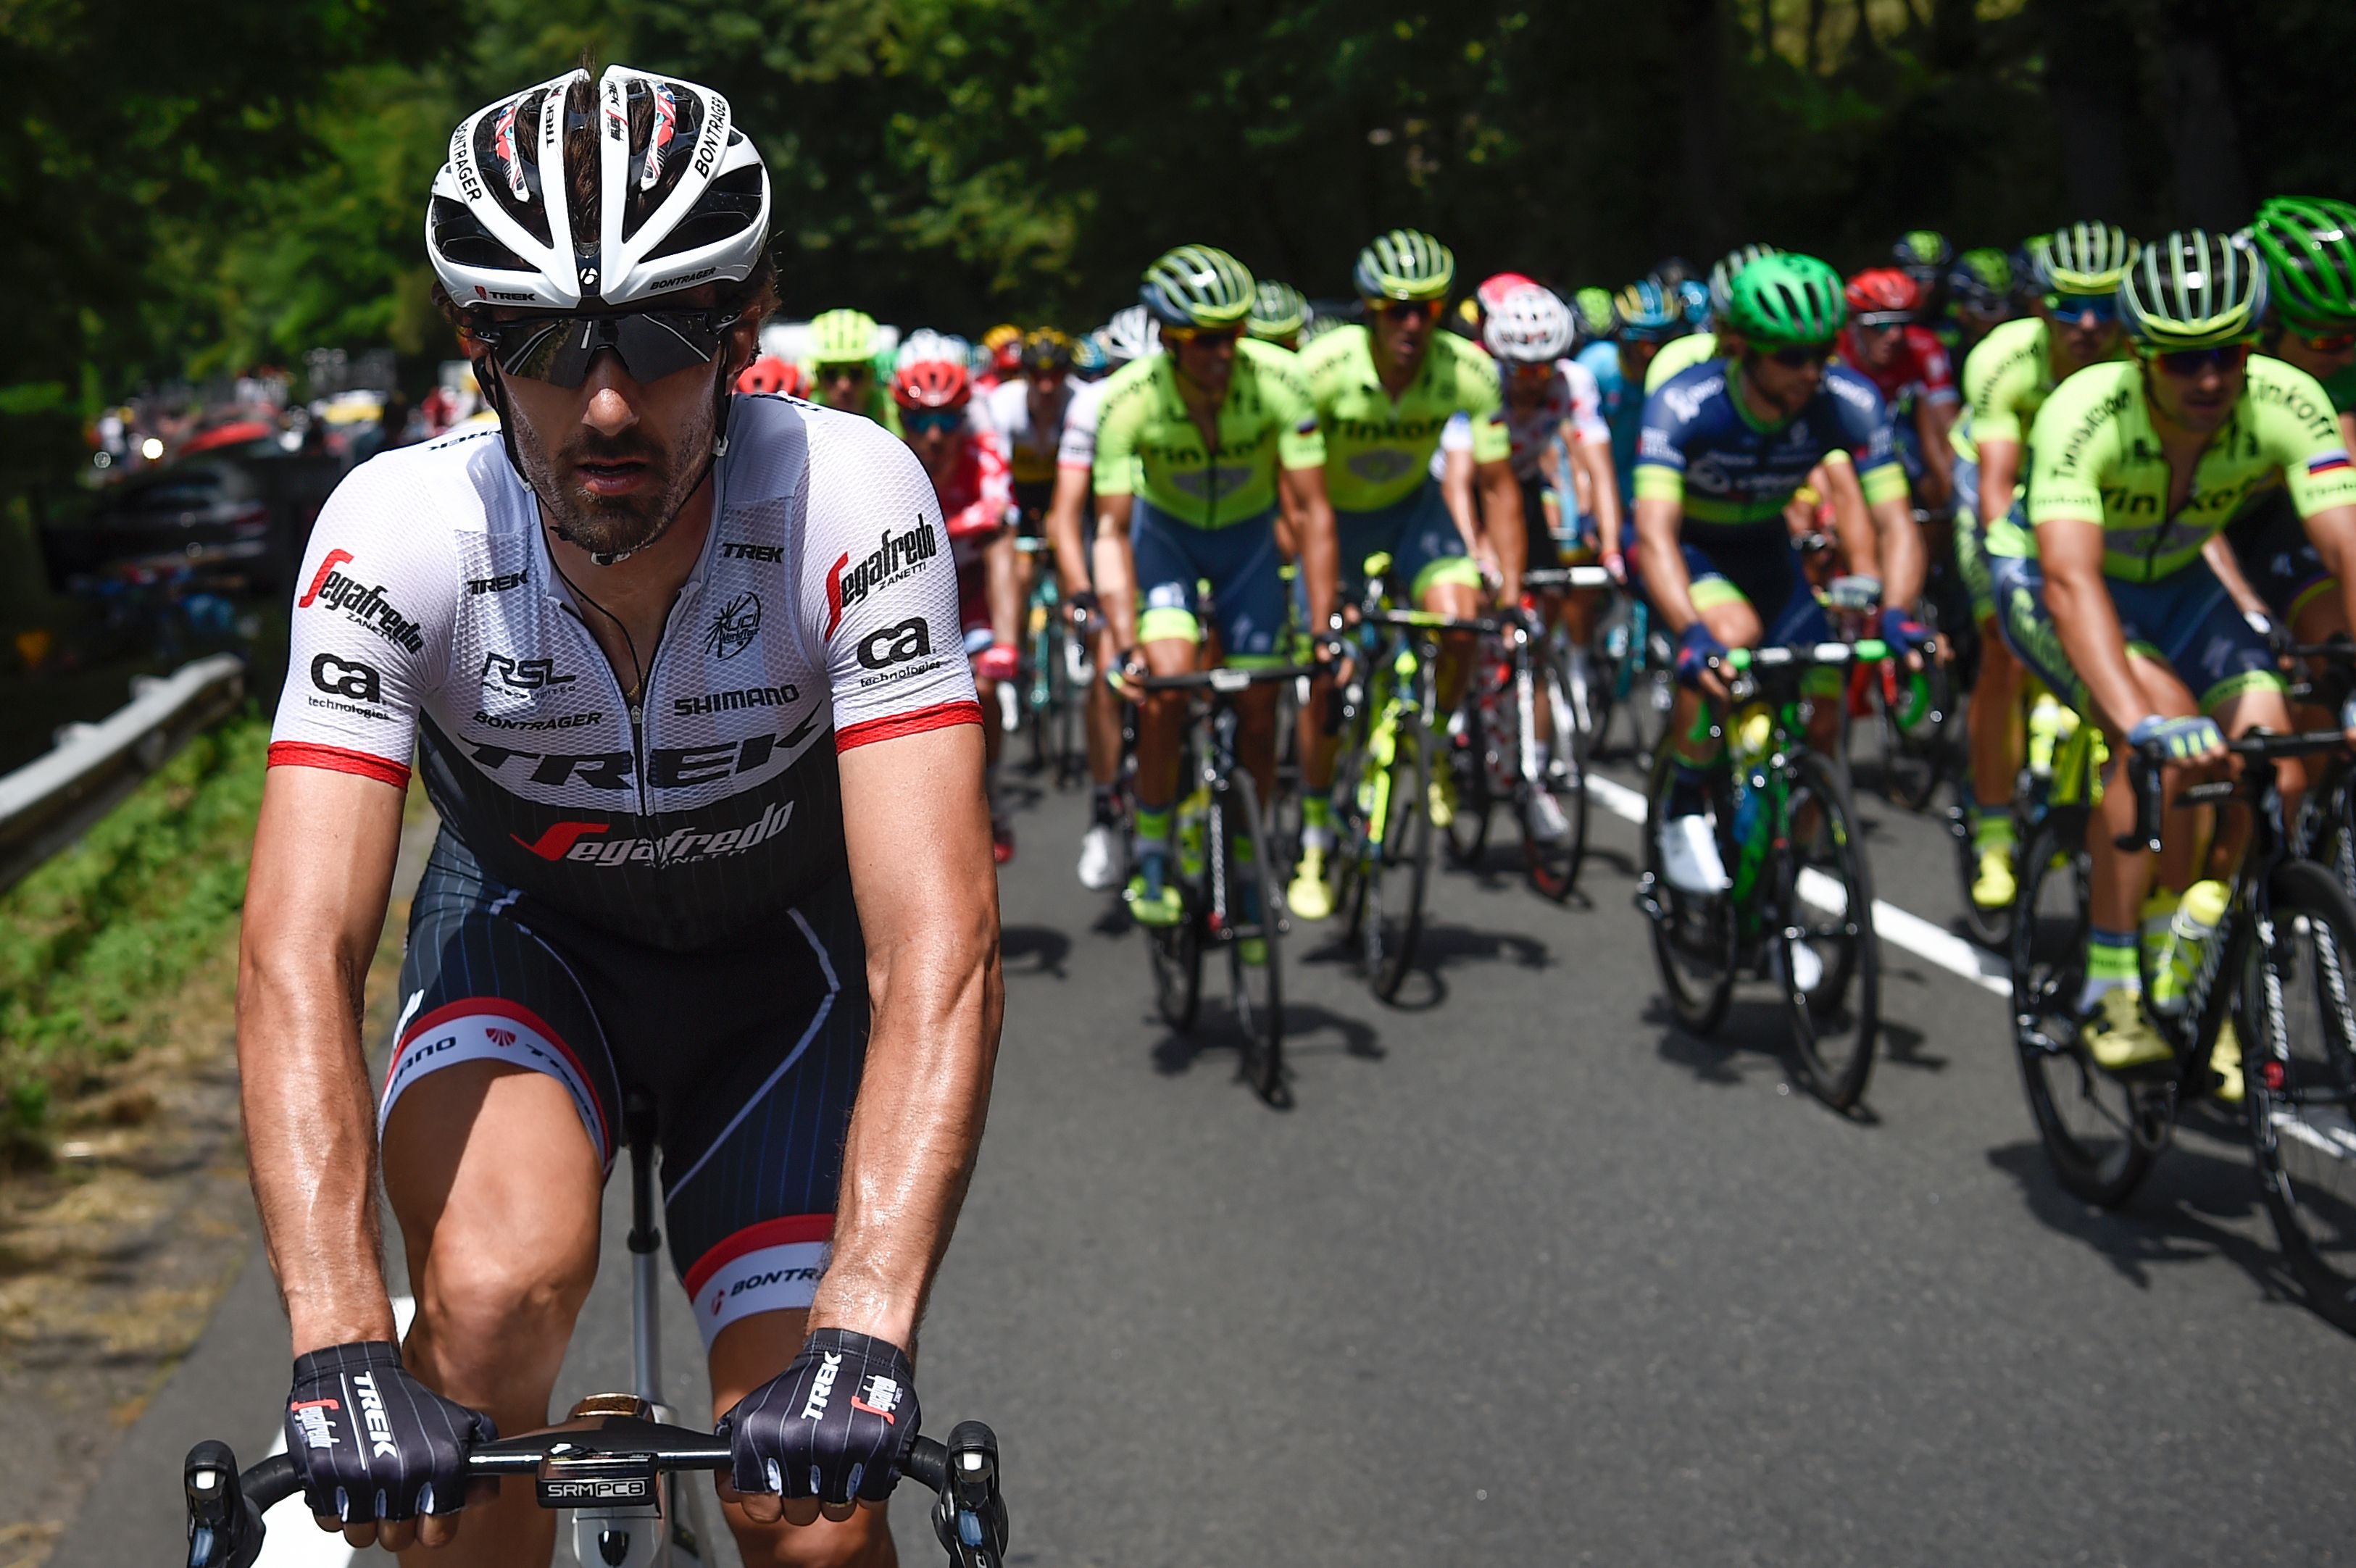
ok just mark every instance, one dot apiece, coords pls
pixel 50 801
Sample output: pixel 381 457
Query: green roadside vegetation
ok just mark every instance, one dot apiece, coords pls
pixel 106 947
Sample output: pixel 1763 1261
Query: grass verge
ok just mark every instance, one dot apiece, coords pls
pixel 97 944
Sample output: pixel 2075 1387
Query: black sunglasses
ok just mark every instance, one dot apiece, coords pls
pixel 1801 356
pixel 652 344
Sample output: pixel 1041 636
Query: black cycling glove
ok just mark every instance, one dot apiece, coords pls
pixel 833 1425
pixel 372 1442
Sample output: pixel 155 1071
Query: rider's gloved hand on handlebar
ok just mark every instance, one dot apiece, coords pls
pixel 2186 740
pixel 1904 634
pixel 372 1444
pixel 1695 648
pixel 833 1426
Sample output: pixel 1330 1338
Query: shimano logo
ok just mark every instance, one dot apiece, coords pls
pixel 847 584
pixel 734 551
pixel 494 584
pixel 372 1416
pixel 822 1387
pixel 729 701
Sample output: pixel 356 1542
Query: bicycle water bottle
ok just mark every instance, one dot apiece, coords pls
pixel 1754 732
pixel 2189 930
pixel 1191 814
pixel 2047 722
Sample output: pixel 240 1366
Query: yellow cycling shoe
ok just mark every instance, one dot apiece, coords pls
pixel 1309 897
pixel 2225 1062
pixel 1993 886
pixel 1161 913
pixel 2119 1037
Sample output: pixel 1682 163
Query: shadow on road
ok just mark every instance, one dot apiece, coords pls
pixel 2195 1205
pixel 1309 1031
pixel 1034 950
pixel 1748 1043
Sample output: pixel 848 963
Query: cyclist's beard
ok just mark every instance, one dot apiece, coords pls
pixel 614 524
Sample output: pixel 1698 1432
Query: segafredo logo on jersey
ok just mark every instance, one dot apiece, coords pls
pixel 585 844
pixel 898 555
pixel 362 603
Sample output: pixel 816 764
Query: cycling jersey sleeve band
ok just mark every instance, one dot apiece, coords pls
pixel 337 759
pixel 893 726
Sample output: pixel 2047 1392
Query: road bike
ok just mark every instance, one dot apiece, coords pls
pixel 620 1463
pixel 1637 663
pixel 1492 744
pixel 1057 673
pixel 2061 761
pixel 1384 784
pixel 2276 967
pixel 1226 871
pixel 1789 836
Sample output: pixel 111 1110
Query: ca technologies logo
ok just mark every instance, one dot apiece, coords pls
pixel 372 1416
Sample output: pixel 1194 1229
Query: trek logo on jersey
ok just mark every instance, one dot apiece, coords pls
pixel 896 645
pixel 733 631
pixel 729 701
pixel 524 675
pixel 347 677
pixel 822 1386
pixel 583 843
pixel 372 1416
pixel 311 1422
pixel 363 603
pixel 496 584
pixel 733 549
pixel 668 767
pixel 896 556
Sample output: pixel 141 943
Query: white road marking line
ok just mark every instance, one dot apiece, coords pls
pixel 1899 927
pixel 295 1540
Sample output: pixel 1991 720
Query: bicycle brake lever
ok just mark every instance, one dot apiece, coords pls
pixel 223 1530
pixel 970 1516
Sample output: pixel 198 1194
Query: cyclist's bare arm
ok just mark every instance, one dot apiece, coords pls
pixel 1999 472
pixel 1854 526
pixel 314 903
pixel 1932 419
pixel 1904 560
pixel 1666 583
pixel 929 908
pixel 1594 458
pixel 1456 489
pixel 1119 606
pixel 2220 560
pixel 1303 491
pixel 2080 606
pixel 1501 519
pixel 1064 533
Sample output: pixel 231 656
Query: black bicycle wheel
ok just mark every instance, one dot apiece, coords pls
pixel 2301 1081
pixel 1472 745
pixel 1176 953
pixel 1253 920
pixel 1693 934
pixel 1652 697
pixel 1991 928
pixel 1824 928
pixel 1399 864
pixel 1552 859
pixel 2098 1129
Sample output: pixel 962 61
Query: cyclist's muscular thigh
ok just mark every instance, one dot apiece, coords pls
pixel 745 1355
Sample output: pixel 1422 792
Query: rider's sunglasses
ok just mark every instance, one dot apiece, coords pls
pixel 2190 362
pixel 2328 342
pixel 2104 308
pixel 560 350
pixel 1799 356
pixel 1883 321
pixel 931 422
pixel 1408 310
pixel 845 370
pixel 1210 335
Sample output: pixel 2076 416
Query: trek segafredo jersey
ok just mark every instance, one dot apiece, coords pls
pixel 821 615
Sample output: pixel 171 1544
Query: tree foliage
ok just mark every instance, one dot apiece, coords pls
pixel 213 187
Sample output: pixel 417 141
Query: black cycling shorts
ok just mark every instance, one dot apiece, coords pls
pixel 750 1052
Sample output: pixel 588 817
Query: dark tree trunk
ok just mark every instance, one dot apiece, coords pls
pixel 1713 201
pixel 2212 189
pixel 2090 69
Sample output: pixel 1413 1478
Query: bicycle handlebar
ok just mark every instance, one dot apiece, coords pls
pixel 1567 577
pixel 2147 776
pixel 1869 650
pixel 598 1461
pixel 1224 679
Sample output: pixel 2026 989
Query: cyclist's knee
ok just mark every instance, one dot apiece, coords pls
pixel 1733 622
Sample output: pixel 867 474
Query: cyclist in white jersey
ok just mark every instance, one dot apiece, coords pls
pixel 681 672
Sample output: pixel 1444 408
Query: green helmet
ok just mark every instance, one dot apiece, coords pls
pixel 2309 246
pixel 1596 315
pixel 1278 311
pixel 2193 290
pixel 1727 268
pixel 1198 286
pixel 1404 264
pixel 1787 301
pixel 842 338
pixel 2081 259
pixel 1926 249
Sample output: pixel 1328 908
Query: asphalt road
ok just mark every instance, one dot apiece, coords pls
pixel 1528 1276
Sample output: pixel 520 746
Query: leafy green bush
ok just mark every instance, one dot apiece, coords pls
pixel 97 944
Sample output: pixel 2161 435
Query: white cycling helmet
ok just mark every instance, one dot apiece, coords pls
pixel 1529 326
pixel 1132 334
pixel 925 345
pixel 682 197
